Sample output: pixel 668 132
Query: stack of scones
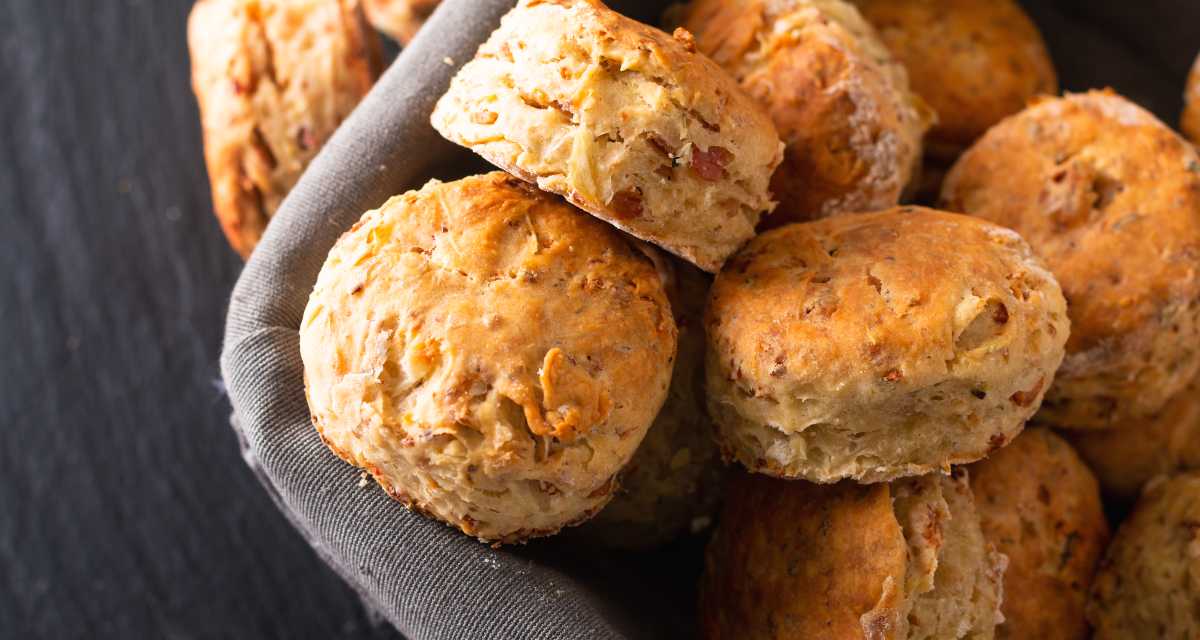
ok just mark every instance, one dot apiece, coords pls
pixel 701 289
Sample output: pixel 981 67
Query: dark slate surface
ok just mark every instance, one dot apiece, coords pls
pixel 125 511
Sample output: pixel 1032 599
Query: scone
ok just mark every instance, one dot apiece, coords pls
pixel 399 19
pixel 626 122
pixel 974 61
pixel 1109 197
pixel 1147 587
pixel 903 561
pixel 274 79
pixel 491 355
pixel 841 102
pixel 673 482
pixel 1040 506
pixel 1126 457
pixel 1190 122
pixel 879 345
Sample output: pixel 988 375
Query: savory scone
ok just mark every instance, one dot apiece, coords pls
pixel 1109 197
pixel 399 19
pixel 974 61
pixel 1040 505
pixel 840 100
pixel 792 560
pixel 1190 122
pixel 879 345
pixel 673 482
pixel 625 121
pixel 1147 587
pixel 274 79
pixel 1126 457
pixel 491 355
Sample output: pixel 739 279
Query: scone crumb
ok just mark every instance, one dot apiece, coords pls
pixel 448 61
pixel 363 480
pixel 685 37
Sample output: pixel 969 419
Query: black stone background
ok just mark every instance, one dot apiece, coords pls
pixel 125 509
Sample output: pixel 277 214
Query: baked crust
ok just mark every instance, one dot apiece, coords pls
pixel 273 80
pixel 490 354
pixel 1126 457
pixel 1146 588
pixel 974 61
pixel 1040 506
pixel 1190 121
pixel 840 100
pixel 626 122
pixel 879 345
pixel 1110 198
pixel 399 19
pixel 905 560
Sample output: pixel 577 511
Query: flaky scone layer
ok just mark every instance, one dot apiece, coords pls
pixel 623 120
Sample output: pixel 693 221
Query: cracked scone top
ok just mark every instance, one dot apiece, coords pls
pixel 491 355
pixel 1147 587
pixel 623 120
pixel 840 100
pixel 879 345
pixel 904 560
pixel 273 79
pixel 1109 197
pixel 1040 505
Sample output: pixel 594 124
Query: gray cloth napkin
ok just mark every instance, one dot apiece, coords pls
pixel 427 580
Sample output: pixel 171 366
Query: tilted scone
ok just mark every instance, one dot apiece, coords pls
pixel 274 79
pixel 1147 587
pixel 792 560
pixel 1109 197
pixel 491 355
pixel 1190 122
pixel 623 120
pixel 673 482
pixel 1040 506
pixel 840 100
pixel 879 345
pixel 1128 455
pixel 974 61
pixel 399 19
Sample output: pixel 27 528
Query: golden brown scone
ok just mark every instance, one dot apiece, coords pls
pixel 1148 586
pixel 1040 506
pixel 491 355
pixel 673 482
pixel 623 120
pixel 1190 122
pixel 1126 457
pixel 399 19
pixel 274 79
pixel 973 61
pixel 879 345
pixel 1109 197
pixel 902 561
pixel 841 102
